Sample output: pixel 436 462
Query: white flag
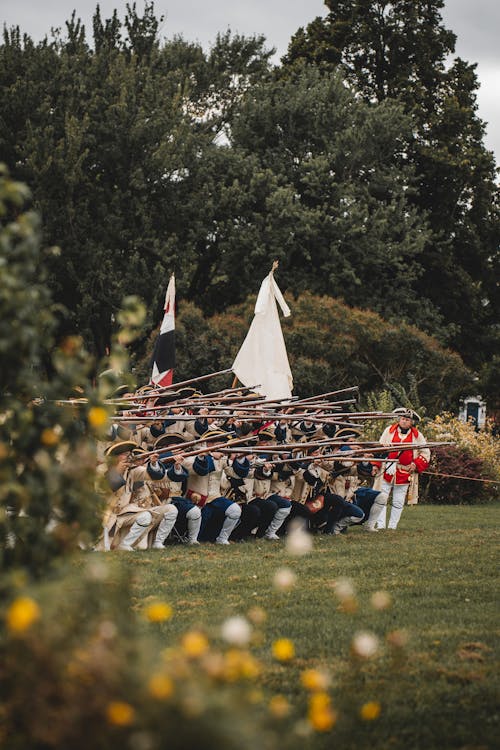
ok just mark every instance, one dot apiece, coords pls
pixel 262 360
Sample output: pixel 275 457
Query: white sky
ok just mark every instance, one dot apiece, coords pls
pixel 475 22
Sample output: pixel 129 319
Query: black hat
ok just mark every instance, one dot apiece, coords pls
pixel 167 398
pixel 169 438
pixel 267 433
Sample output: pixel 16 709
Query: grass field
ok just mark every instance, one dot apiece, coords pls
pixel 440 690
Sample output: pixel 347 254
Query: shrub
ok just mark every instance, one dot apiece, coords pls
pixel 466 472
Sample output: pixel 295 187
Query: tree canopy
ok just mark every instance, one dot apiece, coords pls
pixel 358 162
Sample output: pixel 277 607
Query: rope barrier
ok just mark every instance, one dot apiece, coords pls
pixel 457 476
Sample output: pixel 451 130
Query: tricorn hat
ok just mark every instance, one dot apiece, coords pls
pixel 347 432
pixel 124 446
pixel 169 438
pixel 266 434
pixel 403 411
pixel 215 433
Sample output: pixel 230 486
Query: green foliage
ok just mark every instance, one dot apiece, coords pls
pixel 91 643
pixel 330 345
pixel 47 455
pixel 398 51
pixel 50 415
pixel 474 455
pixel 85 663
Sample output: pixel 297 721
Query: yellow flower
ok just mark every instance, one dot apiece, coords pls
pixel 321 715
pixel 97 416
pixel 194 643
pixel 283 649
pixel 319 701
pixel 370 711
pixel 158 612
pixel 279 706
pixel 240 665
pixel 21 615
pixel 49 437
pixel 160 686
pixel 323 720
pixel 120 714
pixel 314 680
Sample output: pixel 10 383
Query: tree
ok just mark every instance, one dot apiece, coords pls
pixel 330 345
pixel 346 227
pixel 48 502
pixel 108 140
pixel 398 51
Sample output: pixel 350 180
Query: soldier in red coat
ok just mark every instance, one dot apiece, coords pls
pixel 401 467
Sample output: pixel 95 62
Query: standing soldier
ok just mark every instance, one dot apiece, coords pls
pixel 401 468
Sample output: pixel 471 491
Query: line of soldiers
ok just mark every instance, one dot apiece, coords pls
pixel 188 475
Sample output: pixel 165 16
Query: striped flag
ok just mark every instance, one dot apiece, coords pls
pixel 163 360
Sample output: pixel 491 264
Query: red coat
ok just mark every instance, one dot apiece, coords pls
pixel 418 456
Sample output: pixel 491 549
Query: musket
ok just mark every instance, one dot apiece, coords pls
pixel 326 395
pixel 346 456
pixel 162 390
pixel 206 397
pixel 329 419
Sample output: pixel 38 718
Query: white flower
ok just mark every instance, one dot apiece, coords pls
pixel 365 645
pixel 298 541
pixel 236 630
pixel 381 600
pixel 344 589
pixel 284 579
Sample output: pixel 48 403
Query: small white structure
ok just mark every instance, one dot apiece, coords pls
pixel 473 409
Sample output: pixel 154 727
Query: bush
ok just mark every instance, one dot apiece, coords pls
pixel 467 472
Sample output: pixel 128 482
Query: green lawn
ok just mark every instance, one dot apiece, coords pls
pixel 440 691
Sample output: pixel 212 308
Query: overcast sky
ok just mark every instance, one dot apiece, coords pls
pixel 475 22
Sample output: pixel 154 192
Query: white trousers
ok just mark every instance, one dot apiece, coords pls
pixel 399 492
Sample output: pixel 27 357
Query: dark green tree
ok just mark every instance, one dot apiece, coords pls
pixel 342 223
pixel 399 50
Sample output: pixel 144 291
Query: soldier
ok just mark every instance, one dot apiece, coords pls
pixel 219 514
pixel 136 516
pixel 401 467
pixel 170 488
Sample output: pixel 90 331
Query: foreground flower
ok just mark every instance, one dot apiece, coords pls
pixel 120 714
pixel 314 680
pixel 160 686
pixel 364 645
pixel 370 711
pixel 298 541
pixel 279 706
pixel 22 614
pixel 236 630
pixel 284 579
pixel 194 643
pixel 321 715
pixel 240 665
pixel 97 416
pixel 283 649
pixel 158 612
pixel 344 589
pixel 381 600
pixel 50 437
